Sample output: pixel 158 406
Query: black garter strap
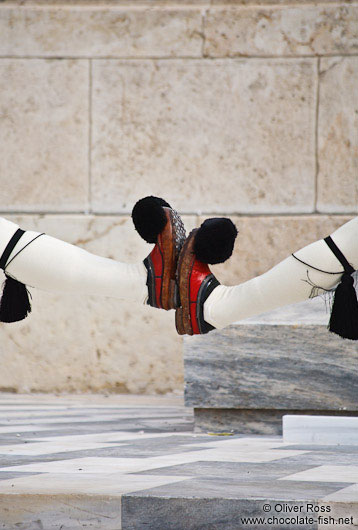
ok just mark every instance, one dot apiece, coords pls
pixel 341 258
pixel 10 247
pixel 339 255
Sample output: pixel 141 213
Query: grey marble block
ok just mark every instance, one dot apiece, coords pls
pixel 252 421
pixel 259 369
pixel 173 513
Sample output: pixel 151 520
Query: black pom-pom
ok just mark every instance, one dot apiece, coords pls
pixel 149 218
pixel 214 241
pixel 15 304
pixel 344 315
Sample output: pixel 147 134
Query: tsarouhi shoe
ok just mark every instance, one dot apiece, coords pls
pixel 156 222
pixel 212 243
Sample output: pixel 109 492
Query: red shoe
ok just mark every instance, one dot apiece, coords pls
pixel 158 223
pixel 212 243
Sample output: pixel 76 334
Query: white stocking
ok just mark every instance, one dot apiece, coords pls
pixel 286 283
pixel 56 266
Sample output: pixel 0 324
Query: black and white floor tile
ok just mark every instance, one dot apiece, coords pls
pixel 69 465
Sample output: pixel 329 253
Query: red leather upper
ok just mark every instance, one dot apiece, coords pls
pixel 199 271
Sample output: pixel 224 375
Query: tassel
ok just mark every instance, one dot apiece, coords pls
pixel 344 315
pixel 15 304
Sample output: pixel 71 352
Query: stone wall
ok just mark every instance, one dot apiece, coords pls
pixel 241 108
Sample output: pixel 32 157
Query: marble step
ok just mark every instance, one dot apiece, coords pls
pixel 247 376
pixel 321 430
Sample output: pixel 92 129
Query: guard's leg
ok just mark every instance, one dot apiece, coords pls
pixel 54 265
pixel 286 283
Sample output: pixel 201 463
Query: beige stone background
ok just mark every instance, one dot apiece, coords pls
pixel 247 109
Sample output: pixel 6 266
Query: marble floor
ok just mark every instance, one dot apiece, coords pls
pixel 134 462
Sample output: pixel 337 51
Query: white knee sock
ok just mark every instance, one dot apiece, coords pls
pixel 286 283
pixel 56 266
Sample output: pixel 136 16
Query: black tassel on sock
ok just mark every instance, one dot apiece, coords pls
pixel 344 315
pixel 14 304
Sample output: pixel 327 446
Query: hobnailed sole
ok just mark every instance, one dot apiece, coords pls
pixel 185 265
pixel 170 242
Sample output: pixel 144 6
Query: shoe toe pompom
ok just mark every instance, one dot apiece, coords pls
pixel 149 217
pixel 214 241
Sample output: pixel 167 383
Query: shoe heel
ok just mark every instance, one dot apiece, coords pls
pixel 179 321
pixel 174 298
